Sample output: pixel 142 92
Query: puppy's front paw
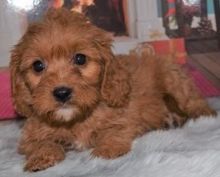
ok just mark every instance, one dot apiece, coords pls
pixel 111 152
pixel 42 160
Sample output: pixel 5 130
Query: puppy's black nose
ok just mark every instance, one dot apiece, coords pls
pixel 62 94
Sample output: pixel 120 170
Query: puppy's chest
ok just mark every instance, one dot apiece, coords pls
pixel 84 135
pixel 77 138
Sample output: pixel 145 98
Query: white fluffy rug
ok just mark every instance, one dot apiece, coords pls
pixel 192 151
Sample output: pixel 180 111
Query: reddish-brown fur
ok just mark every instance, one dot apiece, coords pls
pixel 116 98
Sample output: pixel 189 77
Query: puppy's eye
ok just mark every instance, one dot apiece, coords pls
pixel 79 59
pixel 38 66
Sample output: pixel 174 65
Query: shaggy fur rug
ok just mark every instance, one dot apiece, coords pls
pixel 191 151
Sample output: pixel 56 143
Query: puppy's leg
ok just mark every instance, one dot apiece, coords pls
pixel 181 87
pixel 44 155
pixel 38 146
pixel 143 114
pixel 117 140
pixel 112 144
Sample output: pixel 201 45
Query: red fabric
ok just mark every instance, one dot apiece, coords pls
pixel 6 108
pixel 174 47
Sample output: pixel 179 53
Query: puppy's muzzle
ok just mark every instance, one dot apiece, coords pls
pixel 62 94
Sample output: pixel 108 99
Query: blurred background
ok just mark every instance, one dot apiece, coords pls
pixel 187 29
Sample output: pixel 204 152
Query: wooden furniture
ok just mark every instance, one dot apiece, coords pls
pixel 184 16
pixel 217 15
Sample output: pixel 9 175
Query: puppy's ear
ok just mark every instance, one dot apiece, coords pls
pixel 115 86
pixel 20 93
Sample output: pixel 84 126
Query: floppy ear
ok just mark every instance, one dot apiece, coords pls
pixel 115 86
pixel 20 94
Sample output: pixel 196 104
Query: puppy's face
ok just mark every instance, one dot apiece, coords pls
pixel 57 68
pixel 63 75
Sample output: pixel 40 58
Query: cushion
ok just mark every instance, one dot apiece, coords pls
pixel 6 108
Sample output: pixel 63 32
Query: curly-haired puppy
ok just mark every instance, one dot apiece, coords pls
pixel 77 95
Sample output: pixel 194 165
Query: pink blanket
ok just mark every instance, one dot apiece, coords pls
pixel 6 108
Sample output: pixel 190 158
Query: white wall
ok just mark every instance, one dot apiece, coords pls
pixel 12 24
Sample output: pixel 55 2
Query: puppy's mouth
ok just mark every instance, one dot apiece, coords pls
pixel 66 113
pixel 66 110
pixel 59 111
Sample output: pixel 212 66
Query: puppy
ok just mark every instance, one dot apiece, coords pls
pixel 77 95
